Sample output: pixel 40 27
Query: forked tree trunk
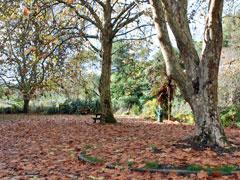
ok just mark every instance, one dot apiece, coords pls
pixel 26 101
pixel 105 80
pixel 209 131
pixel 198 80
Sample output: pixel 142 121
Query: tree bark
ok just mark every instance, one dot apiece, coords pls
pixel 209 131
pixel 198 80
pixel 170 98
pixel 105 80
pixel 26 101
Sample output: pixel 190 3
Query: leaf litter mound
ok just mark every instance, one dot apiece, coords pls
pixel 47 147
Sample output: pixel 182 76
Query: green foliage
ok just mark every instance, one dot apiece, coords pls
pixel 238 124
pixel 230 116
pixel 185 118
pixel 65 107
pixel 198 46
pixel 1 92
pixel 130 87
pixel 135 110
pixel 231 32
pixel 149 109
pixel 73 106
pixel 50 110
pixel 11 105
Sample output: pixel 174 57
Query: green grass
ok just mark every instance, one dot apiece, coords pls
pixel 223 169
pixel 93 159
pixel 195 167
pixel 227 168
pixel 151 165
pixel 130 163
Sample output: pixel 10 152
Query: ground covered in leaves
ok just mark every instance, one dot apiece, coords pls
pixel 47 147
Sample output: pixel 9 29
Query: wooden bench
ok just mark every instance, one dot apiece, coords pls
pixel 98 116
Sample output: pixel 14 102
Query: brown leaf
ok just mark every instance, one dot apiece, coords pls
pixel 26 11
pixel 69 1
pixel 202 174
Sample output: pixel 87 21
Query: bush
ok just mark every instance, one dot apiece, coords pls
pixel 50 110
pixel 11 109
pixel 65 107
pixel 185 118
pixel 135 110
pixel 230 116
pixel 6 110
pixel 149 109
pixel 73 106
pixel 128 101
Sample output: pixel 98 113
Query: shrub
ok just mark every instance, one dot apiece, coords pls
pixel 51 110
pixel 149 109
pixel 230 116
pixel 65 107
pixel 73 106
pixel 11 108
pixel 135 110
pixel 185 118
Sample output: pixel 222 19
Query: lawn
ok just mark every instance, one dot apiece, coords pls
pixel 47 147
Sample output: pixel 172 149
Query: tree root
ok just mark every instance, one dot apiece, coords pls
pixel 198 143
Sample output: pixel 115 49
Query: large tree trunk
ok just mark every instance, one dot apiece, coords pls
pixel 105 80
pixel 26 101
pixel 199 77
pixel 209 131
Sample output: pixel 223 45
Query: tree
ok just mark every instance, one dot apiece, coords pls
pixel 108 19
pixel 32 45
pixel 162 86
pixel 76 80
pixel 231 30
pixel 198 78
pixel 130 87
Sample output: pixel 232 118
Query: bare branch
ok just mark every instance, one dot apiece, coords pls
pixel 135 39
pixel 122 34
pixel 126 22
pixel 129 7
pixel 93 13
pixel 80 15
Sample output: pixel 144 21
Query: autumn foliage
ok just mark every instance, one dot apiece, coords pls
pixel 26 11
pixel 69 1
